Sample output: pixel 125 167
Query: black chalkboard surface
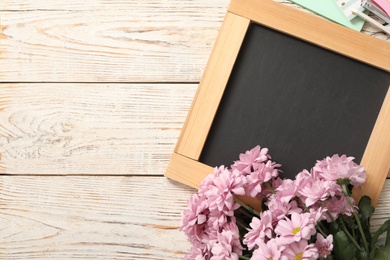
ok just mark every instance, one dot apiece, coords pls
pixel 298 84
pixel 299 100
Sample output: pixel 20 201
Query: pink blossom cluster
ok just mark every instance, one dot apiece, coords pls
pixel 209 221
pixel 217 222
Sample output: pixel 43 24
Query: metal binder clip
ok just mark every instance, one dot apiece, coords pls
pixel 376 10
pixel 353 8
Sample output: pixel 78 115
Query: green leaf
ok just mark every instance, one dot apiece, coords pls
pixel 382 229
pixel 365 213
pixel 382 253
pixel 363 255
pixel 333 227
pixel 343 248
pixel 350 223
pixel 365 207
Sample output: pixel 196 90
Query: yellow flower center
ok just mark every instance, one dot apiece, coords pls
pixel 296 230
pixel 298 256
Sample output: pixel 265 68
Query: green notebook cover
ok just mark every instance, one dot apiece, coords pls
pixel 329 10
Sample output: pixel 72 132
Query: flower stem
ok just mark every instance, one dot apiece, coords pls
pixel 327 212
pixel 303 204
pixel 323 228
pixel 349 234
pixel 345 191
pixel 321 231
pixel 269 186
pixel 344 229
pixel 244 257
pixel 239 223
pixel 245 206
pixel 244 212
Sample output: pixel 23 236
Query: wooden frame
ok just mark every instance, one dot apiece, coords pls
pixel 184 165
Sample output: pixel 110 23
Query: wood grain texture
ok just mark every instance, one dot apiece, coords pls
pixel 212 86
pixel 100 217
pixel 302 26
pixel 90 128
pixel 110 41
pixel 107 41
pixel 191 173
pixel 87 5
pixel 91 218
pixel 109 129
pixel 314 29
pixel 187 171
pixel 382 209
pixel 376 158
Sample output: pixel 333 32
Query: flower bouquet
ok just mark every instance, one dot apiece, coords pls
pixel 311 217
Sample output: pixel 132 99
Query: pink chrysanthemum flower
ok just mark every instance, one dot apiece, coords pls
pixel 324 245
pixel 300 251
pixel 300 226
pixel 304 177
pixel 228 244
pixel 316 190
pixel 221 189
pixel 266 191
pixel 286 191
pixel 336 167
pixel 193 221
pixel 199 251
pixel 264 173
pixel 318 214
pixel 260 229
pixel 271 250
pixel 209 180
pixel 281 209
pixel 250 160
pixel 217 219
pixel 338 205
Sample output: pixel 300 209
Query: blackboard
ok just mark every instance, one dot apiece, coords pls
pixel 299 100
pixel 300 85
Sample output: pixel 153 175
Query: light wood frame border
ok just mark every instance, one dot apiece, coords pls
pixel 184 165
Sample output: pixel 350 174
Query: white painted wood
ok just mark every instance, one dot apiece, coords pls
pixel 100 128
pixel 91 218
pixel 131 5
pixel 107 41
pixel 125 129
pixel 110 41
pixel 382 211
pixel 48 217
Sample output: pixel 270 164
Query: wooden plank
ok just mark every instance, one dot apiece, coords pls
pixel 376 158
pixel 212 86
pixel 187 171
pixel 110 41
pixel 191 173
pixel 305 26
pixel 321 32
pixel 382 210
pixel 90 128
pixel 129 5
pixel 120 41
pixel 91 218
pixel 100 217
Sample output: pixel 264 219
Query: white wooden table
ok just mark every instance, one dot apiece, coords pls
pixel 93 95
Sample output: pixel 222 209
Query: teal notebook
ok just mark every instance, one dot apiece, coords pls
pixel 329 10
